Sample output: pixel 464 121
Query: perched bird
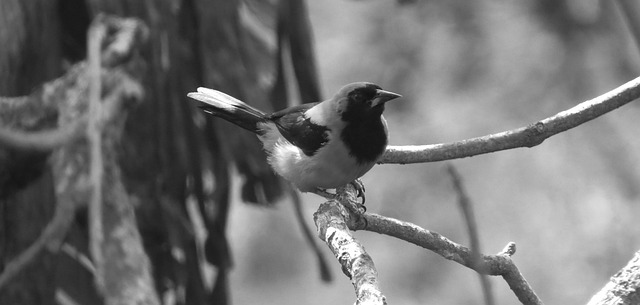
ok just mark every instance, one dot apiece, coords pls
pixel 315 146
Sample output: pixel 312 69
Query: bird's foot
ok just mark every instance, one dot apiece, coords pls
pixel 359 186
pixel 356 207
pixel 323 193
pixel 359 206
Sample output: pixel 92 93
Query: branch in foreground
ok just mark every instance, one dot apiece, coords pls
pixel 623 288
pixel 528 136
pixel 332 221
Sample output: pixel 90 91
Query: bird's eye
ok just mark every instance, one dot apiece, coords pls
pixel 359 98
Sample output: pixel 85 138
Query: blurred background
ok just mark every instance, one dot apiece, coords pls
pixel 465 69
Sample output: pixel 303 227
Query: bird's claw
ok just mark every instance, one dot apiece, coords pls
pixel 359 186
pixel 323 193
pixel 357 207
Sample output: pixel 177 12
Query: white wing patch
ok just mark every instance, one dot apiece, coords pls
pixel 324 114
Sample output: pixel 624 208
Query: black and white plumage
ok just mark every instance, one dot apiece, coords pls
pixel 315 146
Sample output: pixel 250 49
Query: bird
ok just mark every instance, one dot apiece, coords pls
pixel 315 146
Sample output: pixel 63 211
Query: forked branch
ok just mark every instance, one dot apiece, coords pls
pixel 334 222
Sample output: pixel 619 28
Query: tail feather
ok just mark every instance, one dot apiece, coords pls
pixel 229 108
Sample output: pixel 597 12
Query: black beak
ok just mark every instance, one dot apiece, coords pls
pixel 383 96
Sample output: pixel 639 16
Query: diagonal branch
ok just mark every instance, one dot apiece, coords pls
pixel 528 136
pixel 333 221
pixel 623 288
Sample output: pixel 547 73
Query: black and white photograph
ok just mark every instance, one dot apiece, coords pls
pixel 367 152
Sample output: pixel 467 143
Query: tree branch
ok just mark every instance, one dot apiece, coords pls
pixel 528 136
pixel 623 288
pixel 498 264
pixel 126 37
pixel 42 140
pixel 63 97
pixel 122 272
pixel 332 221
pixel 96 36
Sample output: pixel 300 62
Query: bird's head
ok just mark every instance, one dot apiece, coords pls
pixel 355 102
pixel 361 101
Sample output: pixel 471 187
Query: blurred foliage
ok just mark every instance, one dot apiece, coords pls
pixel 177 164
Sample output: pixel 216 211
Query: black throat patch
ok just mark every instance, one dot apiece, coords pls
pixel 365 140
pixel 364 134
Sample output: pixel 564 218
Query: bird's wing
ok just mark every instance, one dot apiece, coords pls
pixel 293 110
pixel 299 130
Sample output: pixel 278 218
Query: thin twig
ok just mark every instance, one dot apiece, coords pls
pixel 97 34
pixel 78 256
pixel 528 136
pixel 472 228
